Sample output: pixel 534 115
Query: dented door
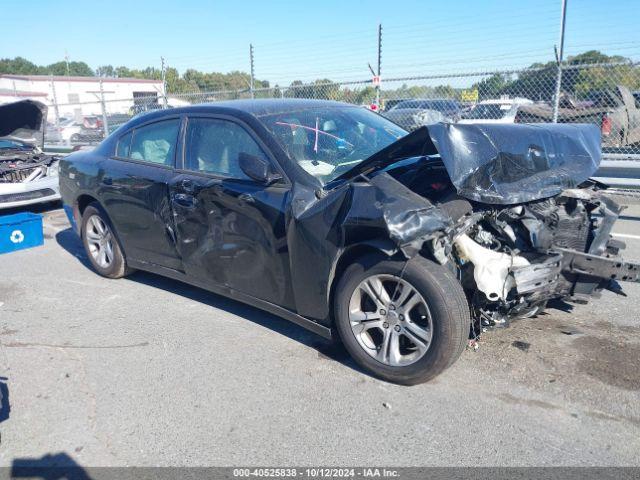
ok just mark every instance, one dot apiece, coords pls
pixel 230 230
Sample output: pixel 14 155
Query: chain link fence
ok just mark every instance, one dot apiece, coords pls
pixel 604 94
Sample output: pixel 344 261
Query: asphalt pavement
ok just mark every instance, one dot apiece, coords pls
pixel 147 371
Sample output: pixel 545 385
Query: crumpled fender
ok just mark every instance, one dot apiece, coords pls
pixel 379 212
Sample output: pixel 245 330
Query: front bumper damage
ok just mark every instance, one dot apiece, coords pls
pixel 27 175
pixel 44 189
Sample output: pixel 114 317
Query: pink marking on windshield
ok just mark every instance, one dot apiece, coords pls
pixel 317 130
pixel 315 144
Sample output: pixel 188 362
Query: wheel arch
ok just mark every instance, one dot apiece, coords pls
pixel 81 204
pixel 385 248
pixel 83 201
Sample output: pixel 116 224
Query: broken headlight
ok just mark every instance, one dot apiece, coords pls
pixel 53 169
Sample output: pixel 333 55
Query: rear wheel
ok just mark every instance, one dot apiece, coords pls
pixel 405 322
pixel 101 245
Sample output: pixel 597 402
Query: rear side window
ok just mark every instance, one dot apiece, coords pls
pixel 155 143
pixel 124 144
pixel 213 146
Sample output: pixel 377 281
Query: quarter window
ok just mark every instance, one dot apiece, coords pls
pixel 213 146
pixel 124 144
pixel 155 143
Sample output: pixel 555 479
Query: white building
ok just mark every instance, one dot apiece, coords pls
pixel 79 96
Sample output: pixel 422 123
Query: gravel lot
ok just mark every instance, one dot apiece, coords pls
pixel 148 371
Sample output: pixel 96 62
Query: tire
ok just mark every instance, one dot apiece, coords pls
pixel 75 138
pixel 96 244
pixel 444 319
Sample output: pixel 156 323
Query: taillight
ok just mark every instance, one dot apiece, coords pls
pixel 605 127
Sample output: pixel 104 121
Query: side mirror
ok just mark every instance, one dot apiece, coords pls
pixel 257 169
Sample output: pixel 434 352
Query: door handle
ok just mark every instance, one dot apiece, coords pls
pixel 187 185
pixel 245 197
pixel 107 181
pixel 185 200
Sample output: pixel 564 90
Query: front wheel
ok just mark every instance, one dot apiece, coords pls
pixel 406 322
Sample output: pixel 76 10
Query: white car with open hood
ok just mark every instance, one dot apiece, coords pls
pixel 27 175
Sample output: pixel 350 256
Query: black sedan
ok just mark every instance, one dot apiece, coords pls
pixel 333 217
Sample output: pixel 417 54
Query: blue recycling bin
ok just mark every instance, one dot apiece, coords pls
pixel 20 231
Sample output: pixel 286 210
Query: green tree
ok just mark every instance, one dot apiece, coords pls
pixel 18 66
pixel 491 87
pixel 77 69
pixel 106 71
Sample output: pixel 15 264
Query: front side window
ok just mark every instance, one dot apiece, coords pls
pixel 328 141
pixel 155 143
pixel 214 146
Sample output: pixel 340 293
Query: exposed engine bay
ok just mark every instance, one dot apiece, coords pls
pixel 18 166
pixel 512 259
pixel 27 175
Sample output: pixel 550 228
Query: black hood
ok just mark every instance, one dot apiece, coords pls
pixel 501 163
pixel 25 120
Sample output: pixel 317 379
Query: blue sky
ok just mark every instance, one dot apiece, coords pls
pixel 308 40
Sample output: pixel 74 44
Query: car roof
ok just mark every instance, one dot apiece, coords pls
pixel 254 107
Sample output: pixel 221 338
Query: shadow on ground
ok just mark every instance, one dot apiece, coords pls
pixel 69 241
pixel 50 467
pixel 5 406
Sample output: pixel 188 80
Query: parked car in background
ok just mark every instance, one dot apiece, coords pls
pixel 70 131
pixel 414 113
pixel 389 103
pixel 62 132
pixel 335 218
pixel 495 111
pixel 614 110
pixel 27 175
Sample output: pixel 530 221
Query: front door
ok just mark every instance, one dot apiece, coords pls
pixel 230 229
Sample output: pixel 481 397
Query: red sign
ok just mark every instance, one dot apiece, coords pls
pixel 376 81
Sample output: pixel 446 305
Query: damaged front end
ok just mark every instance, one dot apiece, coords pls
pixel 509 208
pixel 26 174
pixel 515 259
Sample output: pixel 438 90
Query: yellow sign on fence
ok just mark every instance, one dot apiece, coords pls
pixel 469 95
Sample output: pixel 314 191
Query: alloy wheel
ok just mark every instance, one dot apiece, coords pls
pixel 100 241
pixel 390 320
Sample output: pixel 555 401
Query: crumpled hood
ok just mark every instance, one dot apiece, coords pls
pixel 501 163
pixel 24 120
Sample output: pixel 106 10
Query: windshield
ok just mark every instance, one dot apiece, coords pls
pixel 328 141
pixel 491 111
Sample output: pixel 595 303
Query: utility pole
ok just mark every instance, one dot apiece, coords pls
pixel 55 102
pixel 105 123
pixel 251 84
pixel 379 65
pixel 66 59
pixel 559 58
pixel 164 84
pixel 100 96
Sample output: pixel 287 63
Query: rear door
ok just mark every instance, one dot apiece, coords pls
pixel 230 229
pixel 135 191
